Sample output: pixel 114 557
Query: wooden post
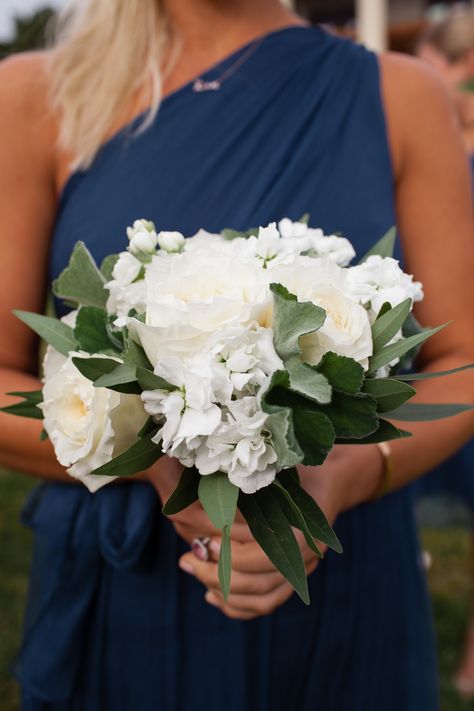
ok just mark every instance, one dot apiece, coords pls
pixel 372 23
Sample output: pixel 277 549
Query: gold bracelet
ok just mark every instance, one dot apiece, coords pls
pixel 387 473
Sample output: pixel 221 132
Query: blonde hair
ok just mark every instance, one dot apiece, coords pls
pixel 106 53
pixel 453 37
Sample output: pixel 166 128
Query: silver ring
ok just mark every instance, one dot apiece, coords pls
pixel 199 547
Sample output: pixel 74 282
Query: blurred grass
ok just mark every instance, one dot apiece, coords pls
pixel 448 578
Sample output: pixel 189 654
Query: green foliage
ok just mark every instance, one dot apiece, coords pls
pixel 341 372
pixel 218 497
pixel 224 567
pixel 271 529
pixel 94 368
pixel 295 517
pixel 122 379
pixel 57 334
pixel 81 281
pixel 291 320
pixel 91 330
pixel 307 380
pixel 107 266
pixel 389 393
pixel 141 455
pixel 29 406
pixel 384 247
pixel 417 412
pixel 315 434
pixel 388 353
pixel 389 324
pixel 385 432
pixel 185 494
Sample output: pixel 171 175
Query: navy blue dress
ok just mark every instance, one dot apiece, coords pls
pixel 112 623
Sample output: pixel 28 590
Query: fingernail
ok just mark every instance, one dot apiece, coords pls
pixel 187 567
pixel 211 599
pixel 215 546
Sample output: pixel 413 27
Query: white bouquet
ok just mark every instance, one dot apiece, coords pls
pixel 242 355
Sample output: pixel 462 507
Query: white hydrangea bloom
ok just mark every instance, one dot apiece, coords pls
pixel 380 280
pixel 126 289
pixel 241 447
pixel 315 243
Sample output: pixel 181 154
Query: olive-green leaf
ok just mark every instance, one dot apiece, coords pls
pixel 185 494
pixel 272 530
pixel 388 353
pixel 315 434
pixel 385 432
pixel 149 381
pixel 285 444
pixel 58 334
pixel 224 567
pixel 218 497
pixel 123 380
pixel 141 455
pixel 388 325
pixel 295 517
pixel 94 368
pixel 107 266
pixel 389 393
pixel 427 376
pixel 308 381
pixel 384 247
pixel 315 519
pixel 91 330
pixel 417 412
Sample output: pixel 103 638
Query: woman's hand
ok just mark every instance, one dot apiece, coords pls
pixel 192 522
pixel 350 475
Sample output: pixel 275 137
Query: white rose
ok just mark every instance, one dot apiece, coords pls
pixel 190 297
pixel 379 280
pixel 345 331
pixel 87 426
pixel 241 448
pixel 171 241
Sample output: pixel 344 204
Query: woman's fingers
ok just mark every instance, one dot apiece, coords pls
pixel 250 558
pixel 245 607
pixel 241 583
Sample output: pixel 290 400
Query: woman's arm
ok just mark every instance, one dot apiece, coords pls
pixel 28 202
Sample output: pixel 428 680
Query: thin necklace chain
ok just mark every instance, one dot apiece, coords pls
pixel 200 84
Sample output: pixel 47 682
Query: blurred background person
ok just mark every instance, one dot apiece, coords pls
pixel 448 46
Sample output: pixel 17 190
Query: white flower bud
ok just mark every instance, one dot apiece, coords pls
pixel 171 241
pixel 142 236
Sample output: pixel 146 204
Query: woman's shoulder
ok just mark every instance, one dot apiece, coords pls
pixel 27 120
pixel 416 103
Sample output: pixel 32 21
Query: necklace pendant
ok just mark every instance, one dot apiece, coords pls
pixel 199 85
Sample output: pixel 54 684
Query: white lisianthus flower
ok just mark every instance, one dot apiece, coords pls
pixel 380 280
pixel 142 237
pixel 126 289
pixel 87 426
pixel 190 297
pixel 171 241
pixel 187 412
pixel 314 242
pixel 240 447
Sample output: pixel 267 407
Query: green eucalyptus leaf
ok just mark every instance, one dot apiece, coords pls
pixel 136 355
pixel 224 567
pixel 81 282
pixel 315 519
pixel 388 325
pixel 31 396
pixel 149 381
pixel 418 412
pixel 428 376
pixel 272 530
pixel 123 380
pixel 58 334
pixel 295 517
pixel 342 373
pixel 384 247
pixel 389 393
pixel 91 330
pixel 140 456
pixel 185 494
pixel 23 409
pixel 388 353
pixel 385 432
pixel 149 426
pixel 94 368
pixel 291 320
pixel 218 497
